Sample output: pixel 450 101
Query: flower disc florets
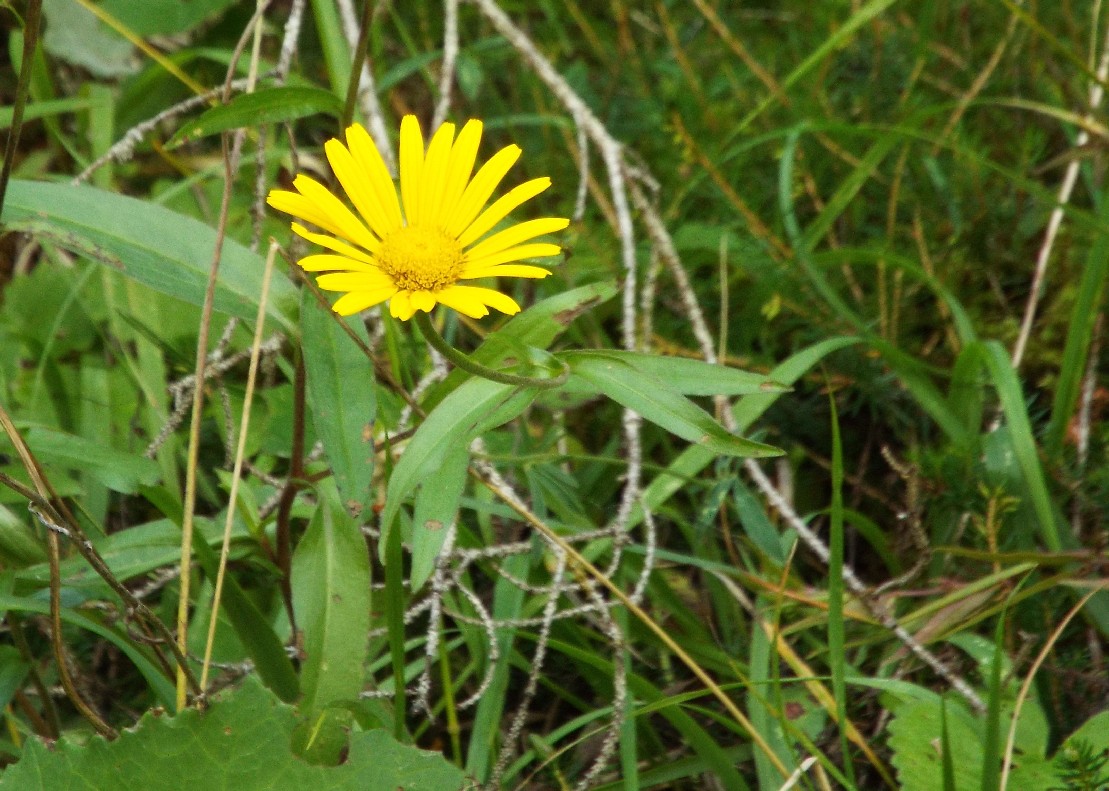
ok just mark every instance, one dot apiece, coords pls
pixel 420 259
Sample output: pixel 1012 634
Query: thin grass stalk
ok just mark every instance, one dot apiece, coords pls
pixel 1026 685
pixel 60 657
pixel 137 41
pixel 30 41
pixel 240 452
pixel 582 563
pixel 231 149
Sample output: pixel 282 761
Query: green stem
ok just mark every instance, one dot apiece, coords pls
pixel 469 364
pixel 30 39
pixel 357 62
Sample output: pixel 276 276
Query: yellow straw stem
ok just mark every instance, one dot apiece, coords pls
pixel 148 50
pixel 240 452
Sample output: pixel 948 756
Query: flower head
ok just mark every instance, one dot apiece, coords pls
pixel 416 251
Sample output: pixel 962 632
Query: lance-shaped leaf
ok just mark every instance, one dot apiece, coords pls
pixel 167 251
pixel 657 402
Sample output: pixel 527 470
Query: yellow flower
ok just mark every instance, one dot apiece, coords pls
pixel 417 259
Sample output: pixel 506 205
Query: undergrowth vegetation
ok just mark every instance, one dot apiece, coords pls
pixel 791 474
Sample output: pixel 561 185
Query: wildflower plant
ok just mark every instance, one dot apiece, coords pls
pixel 492 561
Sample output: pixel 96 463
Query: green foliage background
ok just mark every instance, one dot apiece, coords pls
pixel 858 193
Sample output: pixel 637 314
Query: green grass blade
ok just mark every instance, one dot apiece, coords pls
pixel 1080 332
pixel 991 741
pixel 837 657
pixel 1024 444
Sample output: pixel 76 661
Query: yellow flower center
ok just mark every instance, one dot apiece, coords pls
pixel 420 259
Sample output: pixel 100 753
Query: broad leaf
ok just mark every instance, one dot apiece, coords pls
pixel 167 251
pixel 242 741
pixel 436 508
pixel 342 396
pixel 331 596
pixel 116 469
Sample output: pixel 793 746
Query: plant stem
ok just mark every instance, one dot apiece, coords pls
pixel 469 364
pixel 358 61
pixel 30 39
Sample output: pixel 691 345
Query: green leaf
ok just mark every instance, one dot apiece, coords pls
pixel 1080 333
pixel 128 553
pixel 45 109
pixel 535 327
pixel 242 741
pixel 119 471
pixel 331 597
pixel 749 408
pixel 264 106
pixel 19 546
pixel 436 508
pixel 169 252
pixel 450 426
pixel 74 35
pixel 342 396
pixel 684 375
pixel 163 17
pixel 652 399
pixel 1024 443
pixel 917 729
pixel 13 670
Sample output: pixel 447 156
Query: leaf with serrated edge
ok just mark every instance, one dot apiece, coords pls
pixel 242 742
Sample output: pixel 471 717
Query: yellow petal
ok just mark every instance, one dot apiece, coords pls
pixel 524 251
pixel 357 301
pixel 487 296
pixel 334 263
pixel 411 170
pixel 423 300
pixel 463 156
pixel 299 206
pixel 507 270
pixel 342 219
pixel 435 175
pixel 365 153
pixel 501 209
pixel 466 304
pixel 515 235
pixel 400 306
pixel 355 281
pixel 331 244
pixel 477 194
pixel 357 186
